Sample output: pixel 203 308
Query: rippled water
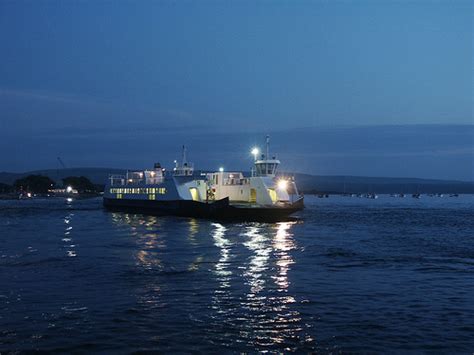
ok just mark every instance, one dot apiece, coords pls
pixel 353 275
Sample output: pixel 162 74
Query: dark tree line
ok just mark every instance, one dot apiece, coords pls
pixel 34 183
pixel 79 183
pixel 4 188
pixel 41 184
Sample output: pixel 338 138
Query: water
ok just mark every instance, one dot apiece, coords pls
pixel 353 275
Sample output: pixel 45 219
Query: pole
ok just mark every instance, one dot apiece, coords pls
pixel 268 144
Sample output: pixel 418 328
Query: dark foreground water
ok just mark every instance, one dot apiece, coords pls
pixel 354 275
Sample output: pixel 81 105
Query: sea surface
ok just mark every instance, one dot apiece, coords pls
pixel 352 275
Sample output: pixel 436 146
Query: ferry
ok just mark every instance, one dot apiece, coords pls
pixel 220 195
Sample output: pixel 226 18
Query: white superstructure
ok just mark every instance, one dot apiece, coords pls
pixel 262 188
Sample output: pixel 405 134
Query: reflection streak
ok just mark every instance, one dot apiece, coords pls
pixel 271 320
pixel 149 242
pixel 145 231
pixel 222 271
pixel 67 239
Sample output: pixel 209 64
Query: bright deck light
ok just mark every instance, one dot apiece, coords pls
pixel 282 184
pixel 69 189
pixel 221 169
pixel 255 152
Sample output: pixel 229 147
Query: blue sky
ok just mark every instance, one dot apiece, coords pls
pixel 104 74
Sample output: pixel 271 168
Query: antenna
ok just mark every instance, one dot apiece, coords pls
pixel 268 144
pixel 184 156
pixel 62 163
pixel 63 166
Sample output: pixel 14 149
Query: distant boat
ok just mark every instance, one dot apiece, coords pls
pixel 417 193
pixel 24 195
pixel 371 196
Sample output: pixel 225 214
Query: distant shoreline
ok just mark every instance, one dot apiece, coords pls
pixel 309 184
pixel 15 196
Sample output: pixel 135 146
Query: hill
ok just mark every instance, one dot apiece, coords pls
pixel 95 175
pixel 306 183
pixel 364 184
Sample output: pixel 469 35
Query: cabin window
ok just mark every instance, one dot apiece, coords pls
pixel 271 168
pixel 266 168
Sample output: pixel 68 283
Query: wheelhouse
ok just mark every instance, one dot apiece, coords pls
pixel 266 167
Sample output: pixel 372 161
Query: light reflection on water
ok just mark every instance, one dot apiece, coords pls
pixel 258 242
pixel 144 229
pixel 269 305
pixel 283 243
pixel 356 284
pixel 67 239
pixel 249 267
pixel 221 270
pixel 193 230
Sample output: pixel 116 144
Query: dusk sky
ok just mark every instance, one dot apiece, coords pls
pixel 380 88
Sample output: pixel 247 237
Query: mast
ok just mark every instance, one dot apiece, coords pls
pixel 185 169
pixel 183 162
pixel 267 147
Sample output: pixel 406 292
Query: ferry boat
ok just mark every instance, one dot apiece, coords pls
pixel 222 195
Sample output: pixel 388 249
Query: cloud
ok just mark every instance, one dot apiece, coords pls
pixel 47 96
pixel 47 112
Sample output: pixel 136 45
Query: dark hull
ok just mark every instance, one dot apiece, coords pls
pixel 218 210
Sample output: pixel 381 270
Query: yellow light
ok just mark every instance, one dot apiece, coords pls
pixel 282 184
pixel 152 173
